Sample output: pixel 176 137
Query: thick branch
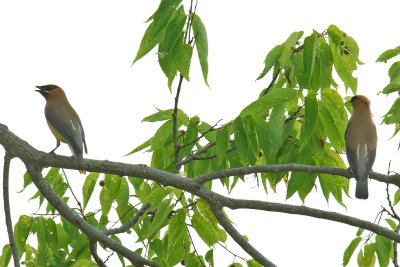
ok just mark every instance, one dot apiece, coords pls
pixel 7 210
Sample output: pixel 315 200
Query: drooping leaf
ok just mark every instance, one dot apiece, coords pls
pixel 200 33
pixel 309 52
pixel 383 248
pixel 88 187
pixel 241 140
pixel 350 250
pixel 310 118
pixel 21 232
pixel 288 48
pixel 367 259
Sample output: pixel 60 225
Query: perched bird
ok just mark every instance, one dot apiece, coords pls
pixel 63 120
pixel 361 142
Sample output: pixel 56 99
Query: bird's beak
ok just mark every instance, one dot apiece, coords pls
pixel 45 94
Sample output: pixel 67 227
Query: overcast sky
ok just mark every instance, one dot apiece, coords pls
pixel 87 48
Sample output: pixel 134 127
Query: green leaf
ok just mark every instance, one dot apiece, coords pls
pixel 275 128
pixel 241 140
pixel 21 232
pixel 163 115
pixel 368 258
pixel 310 118
pixel 393 86
pixel 141 147
pixel 335 33
pixel 309 52
pixel 156 196
pixel 350 250
pixel 5 255
pixel 273 98
pixel 394 71
pixel 271 59
pixel 163 136
pixel 383 247
pixel 396 197
pixel 109 193
pixel 205 210
pixel 27 181
pixel 344 66
pixel 301 182
pixel 393 115
pixel 210 136
pixel 210 257
pixel 177 230
pixel 392 224
pixel 173 30
pixel 326 58
pixel 123 194
pixel 388 54
pixel 161 215
pixel 150 39
pixel 253 263
pixel 222 144
pixel 190 135
pixel 288 48
pixel 163 14
pixel 88 187
pixel 200 34
pixel 209 232
pixel 84 263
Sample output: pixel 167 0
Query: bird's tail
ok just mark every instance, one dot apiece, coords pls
pixel 362 188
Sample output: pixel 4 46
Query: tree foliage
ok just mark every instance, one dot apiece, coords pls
pixel 299 118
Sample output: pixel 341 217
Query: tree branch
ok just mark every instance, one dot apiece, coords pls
pixel 7 210
pixel 35 160
pixel 96 257
pixel 220 216
pixel 175 125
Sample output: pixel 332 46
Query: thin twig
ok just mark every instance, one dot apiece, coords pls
pixel 234 255
pixel 175 123
pixel 123 228
pixel 7 210
pixel 201 136
pixel 73 194
pixel 195 250
pixel 294 114
pixel 273 81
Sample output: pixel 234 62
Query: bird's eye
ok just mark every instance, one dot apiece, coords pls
pixel 353 98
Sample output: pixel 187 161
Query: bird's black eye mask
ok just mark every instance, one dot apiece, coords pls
pixel 47 88
pixel 353 98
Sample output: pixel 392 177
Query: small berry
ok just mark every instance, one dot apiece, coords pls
pixel 183 262
pixel 101 183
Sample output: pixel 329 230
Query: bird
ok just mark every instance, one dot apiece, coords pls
pixel 63 121
pixel 361 141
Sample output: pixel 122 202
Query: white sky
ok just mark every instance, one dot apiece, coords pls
pixel 87 48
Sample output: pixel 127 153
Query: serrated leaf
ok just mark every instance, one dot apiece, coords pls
pixel 388 54
pixel 88 187
pixel 273 98
pixel 393 86
pixel 367 259
pixel 271 59
pixel 345 65
pixel 200 34
pixel 209 232
pixel 350 250
pixel 205 210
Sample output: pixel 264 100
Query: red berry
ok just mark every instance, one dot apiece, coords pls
pixel 183 262
pixel 101 183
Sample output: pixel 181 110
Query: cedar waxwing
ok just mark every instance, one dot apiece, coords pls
pixel 63 121
pixel 361 142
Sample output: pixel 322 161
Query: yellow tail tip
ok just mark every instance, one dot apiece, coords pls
pixel 82 171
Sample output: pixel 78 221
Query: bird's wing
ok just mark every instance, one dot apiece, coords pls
pixel 68 127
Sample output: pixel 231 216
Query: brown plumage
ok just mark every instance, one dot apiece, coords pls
pixel 63 120
pixel 361 140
